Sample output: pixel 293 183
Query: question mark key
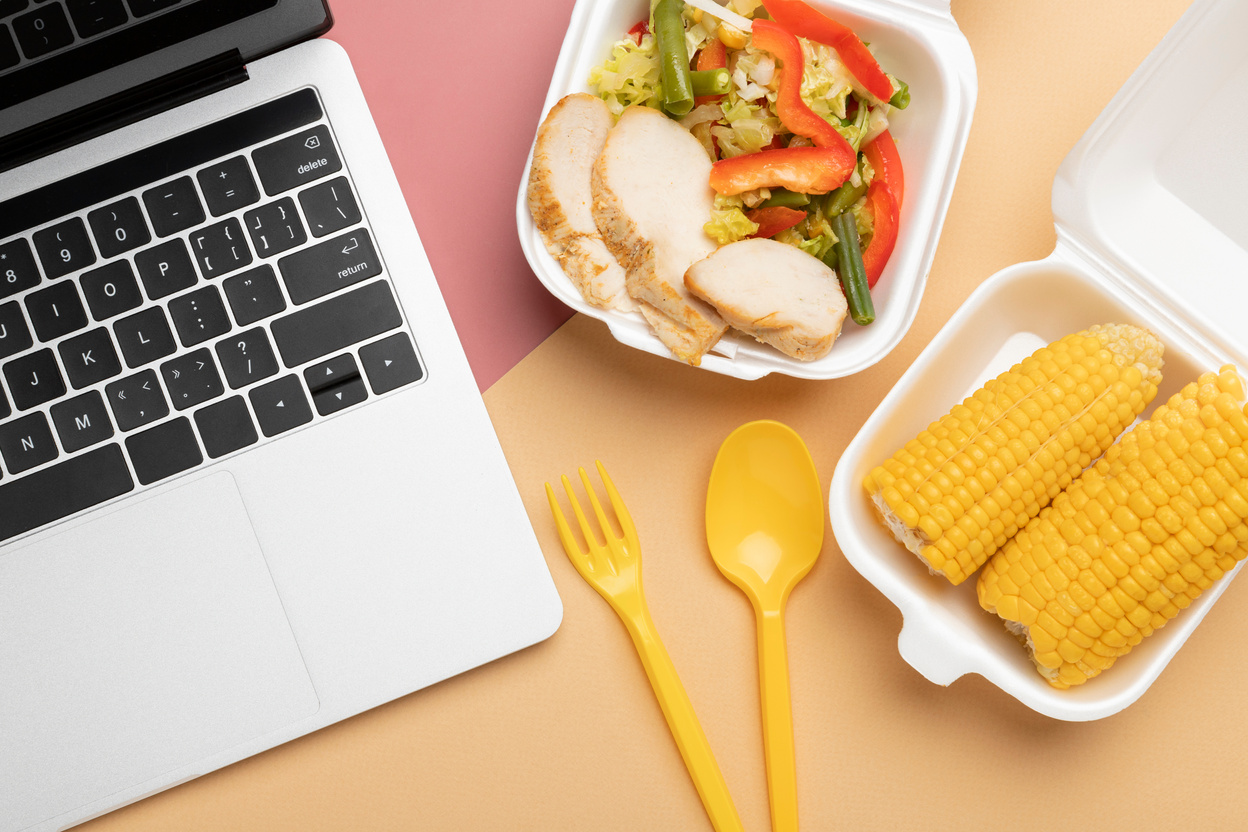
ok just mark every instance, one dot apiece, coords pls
pixel 246 357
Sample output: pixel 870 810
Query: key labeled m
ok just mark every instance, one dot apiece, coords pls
pixel 82 422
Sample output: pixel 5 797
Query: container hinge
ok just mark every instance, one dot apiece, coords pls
pixel 123 108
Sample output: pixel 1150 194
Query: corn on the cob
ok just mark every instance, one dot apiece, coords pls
pixel 1134 540
pixel 957 492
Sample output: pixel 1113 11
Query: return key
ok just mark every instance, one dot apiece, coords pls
pixel 329 266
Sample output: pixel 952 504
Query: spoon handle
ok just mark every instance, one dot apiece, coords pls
pixel 773 675
pixel 682 721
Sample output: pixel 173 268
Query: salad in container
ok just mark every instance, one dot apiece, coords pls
pixel 740 186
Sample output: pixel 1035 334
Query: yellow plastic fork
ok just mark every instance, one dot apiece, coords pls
pixel 614 570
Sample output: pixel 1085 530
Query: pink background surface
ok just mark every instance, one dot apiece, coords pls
pixel 456 90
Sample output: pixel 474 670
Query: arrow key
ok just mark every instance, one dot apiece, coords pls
pixel 391 363
pixel 137 400
pixel 280 405
pixel 335 384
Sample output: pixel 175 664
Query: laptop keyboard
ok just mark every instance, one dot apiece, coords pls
pixel 190 301
pixel 33 29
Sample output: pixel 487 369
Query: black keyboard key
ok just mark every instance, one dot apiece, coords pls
pixel 192 379
pixel 92 17
pixel 64 248
pixel 296 160
pixel 226 427
pixel 78 483
pixel 173 206
pixel 111 289
pixel 335 384
pixel 247 357
pixel 199 315
pixel 137 400
pixel 43 30
pixel 165 269
pixel 220 249
pixel 14 334
pixel 329 266
pixel 89 358
pixel 144 337
pixel 82 421
pixel 139 8
pixel 18 271
pixel 164 450
pixel 119 227
pixel 26 443
pixel 228 186
pixel 275 228
pixel 12 7
pixel 5 410
pixel 335 324
pixel 34 379
pixel 391 363
pixel 280 405
pixel 254 295
pixel 8 49
pixel 329 207
pixel 56 311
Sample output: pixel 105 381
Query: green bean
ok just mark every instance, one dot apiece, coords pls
pixel 839 201
pixel 786 199
pixel 710 81
pixel 669 28
pixel 848 256
pixel 901 98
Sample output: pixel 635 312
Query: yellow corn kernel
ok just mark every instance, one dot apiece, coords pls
pixel 958 491
pixel 731 36
pixel 1188 518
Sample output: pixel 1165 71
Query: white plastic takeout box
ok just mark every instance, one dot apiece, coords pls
pixel 1152 229
pixel 916 40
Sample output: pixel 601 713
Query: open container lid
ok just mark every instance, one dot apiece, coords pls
pixel 1154 192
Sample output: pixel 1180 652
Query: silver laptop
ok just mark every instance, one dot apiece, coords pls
pixel 248 486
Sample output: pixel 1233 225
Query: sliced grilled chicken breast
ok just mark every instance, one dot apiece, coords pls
pixel 651 199
pixel 568 142
pixel 777 293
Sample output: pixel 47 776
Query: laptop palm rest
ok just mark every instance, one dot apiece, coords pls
pixel 170 646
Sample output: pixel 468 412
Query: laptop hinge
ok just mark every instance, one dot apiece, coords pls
pixel 121 109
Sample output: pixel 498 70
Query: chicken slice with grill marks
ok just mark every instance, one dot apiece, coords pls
pixel 568 142
pixel 651 198
pixel 777 293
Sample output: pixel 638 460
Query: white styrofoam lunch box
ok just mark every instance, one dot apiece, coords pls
pixel 916 40
pixel 1152 229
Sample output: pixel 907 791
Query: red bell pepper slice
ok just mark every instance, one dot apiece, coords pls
pixel 807 170
pixel 641 27
pixel 713 56
pixel 790 108
pixel 886 210
pixel 804 21
pixel 881 152
pixel 774 219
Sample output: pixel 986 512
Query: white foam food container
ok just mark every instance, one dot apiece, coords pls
pixel 1152 229
pixel 916 40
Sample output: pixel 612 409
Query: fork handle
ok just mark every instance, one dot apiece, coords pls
pixel 683 722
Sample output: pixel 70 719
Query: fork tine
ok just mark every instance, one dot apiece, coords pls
pixel 590 540
pixel 621 510
pixel 570 546
pixel 597 506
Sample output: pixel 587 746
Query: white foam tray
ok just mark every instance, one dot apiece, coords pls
pixel 916 40
pixel 1144 236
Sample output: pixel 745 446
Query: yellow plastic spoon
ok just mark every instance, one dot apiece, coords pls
pixel 764 525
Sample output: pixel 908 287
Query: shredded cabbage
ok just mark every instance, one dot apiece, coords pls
pixel 728 222
pixel 630 76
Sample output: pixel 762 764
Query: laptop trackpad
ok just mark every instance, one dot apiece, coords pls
pixel 136 644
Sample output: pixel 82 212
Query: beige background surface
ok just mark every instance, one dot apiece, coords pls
pixel 567 736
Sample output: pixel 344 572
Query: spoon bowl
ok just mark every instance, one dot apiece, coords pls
pixel 764 527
